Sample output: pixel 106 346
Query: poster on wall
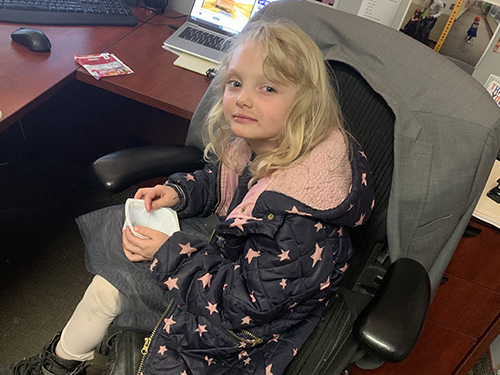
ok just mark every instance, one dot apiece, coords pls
pixel 496 49
pixel 381 11
pixel 493 87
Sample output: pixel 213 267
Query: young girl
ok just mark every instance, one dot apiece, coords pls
pixel 286 182
pixel 413 25
pixel 472 32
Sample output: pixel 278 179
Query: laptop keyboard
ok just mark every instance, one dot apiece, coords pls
pixel 207 39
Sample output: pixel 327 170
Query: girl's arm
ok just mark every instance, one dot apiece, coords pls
pixel 157 197
pixel 192 193
pixel 197 192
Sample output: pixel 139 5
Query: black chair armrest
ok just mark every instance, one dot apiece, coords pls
pixel 121 169
pixel 391 323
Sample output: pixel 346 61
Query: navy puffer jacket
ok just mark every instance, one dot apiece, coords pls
pixel 245 302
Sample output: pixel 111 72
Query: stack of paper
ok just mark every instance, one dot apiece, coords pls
pixel 193 63
pixel 487 209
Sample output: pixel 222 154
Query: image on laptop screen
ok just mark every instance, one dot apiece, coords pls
pixel 227 15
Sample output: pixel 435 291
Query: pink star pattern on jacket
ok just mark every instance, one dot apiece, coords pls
pixel 184 372
pixel 205 279
pixel 275 338
pixel 317 254
pixel 212 308
pixel 238 223
pixel 190 177
pixel 284 255
pixel 363 179
pixel 162 350
pixel 363 154
pixel 246 320
pixel 318 226
pixel 252 297
pixel 153 265
pixel 294 352
pixel 209 360
pixel 247 360
pixel 343 269
pixel 360 221
pixel 187 249
pixel 168 322
pixel 325 284
pixel 283 283
pixel 236 266
pixel 242 354
pixel 295 211
pixel 268 370
pixel 172 283
pixel 201 329
pixel 340 231
pixel 252 254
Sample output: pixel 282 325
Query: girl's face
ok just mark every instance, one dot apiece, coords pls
pixel 254 107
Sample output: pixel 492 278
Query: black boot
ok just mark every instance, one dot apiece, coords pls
pixel 123 349
pixel 45 363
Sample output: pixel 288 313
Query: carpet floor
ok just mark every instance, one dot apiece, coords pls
pixel 483 366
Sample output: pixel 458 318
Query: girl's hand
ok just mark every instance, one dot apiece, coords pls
pixel 142 249
pixel 158 196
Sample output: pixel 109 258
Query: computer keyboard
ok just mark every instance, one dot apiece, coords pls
pixel 67 12
pixel 206 39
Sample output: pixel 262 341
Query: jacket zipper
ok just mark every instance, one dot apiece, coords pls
pixel 147 340
pixel 254 341
pixel 218 198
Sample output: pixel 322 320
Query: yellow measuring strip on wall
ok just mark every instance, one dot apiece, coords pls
pixel 447 28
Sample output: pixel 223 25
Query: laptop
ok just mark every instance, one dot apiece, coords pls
pixel 211 25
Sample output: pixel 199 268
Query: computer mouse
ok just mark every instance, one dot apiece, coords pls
pixel 33 39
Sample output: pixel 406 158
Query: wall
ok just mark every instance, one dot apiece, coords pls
pixel 465 6
pixel 489 62
pixel 352 6
pixel 181 6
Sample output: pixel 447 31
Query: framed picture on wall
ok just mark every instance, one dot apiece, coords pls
pixel 492 85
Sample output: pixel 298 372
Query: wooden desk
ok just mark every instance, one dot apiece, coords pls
pixel 156 81
pixel 464 318
pixel 28 78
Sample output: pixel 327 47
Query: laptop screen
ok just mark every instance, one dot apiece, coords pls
pixel 228 16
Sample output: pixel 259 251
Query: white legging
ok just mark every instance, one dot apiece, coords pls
pixel 90 321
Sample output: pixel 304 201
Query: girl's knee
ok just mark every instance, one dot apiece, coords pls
pixel 103 297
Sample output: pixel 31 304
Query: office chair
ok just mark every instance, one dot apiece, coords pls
pixel 431 133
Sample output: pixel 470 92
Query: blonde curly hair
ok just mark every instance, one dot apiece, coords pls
pixel 291 57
